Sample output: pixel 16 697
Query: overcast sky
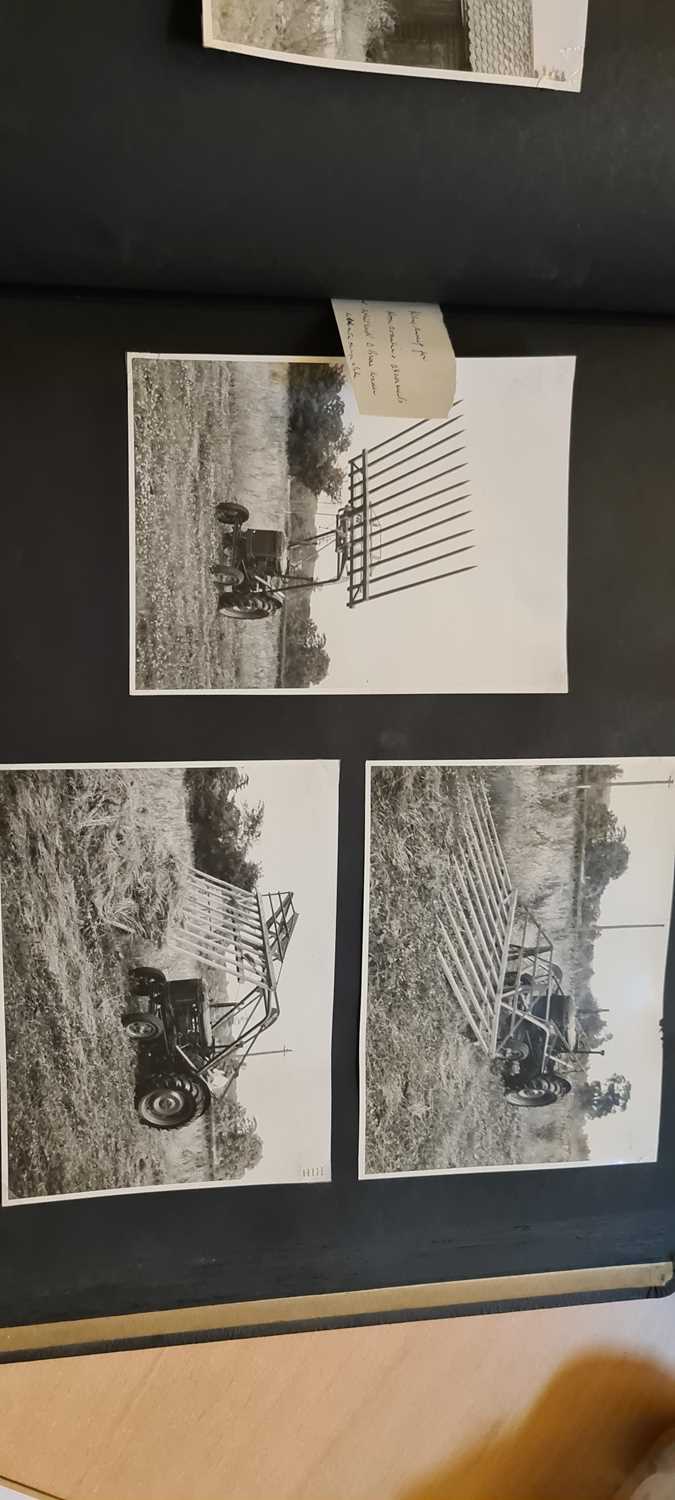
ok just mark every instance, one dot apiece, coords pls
pixel 291 1096
pixel 502 627
pixel 629 965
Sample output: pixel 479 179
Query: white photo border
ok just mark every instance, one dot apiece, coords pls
pixel 303 692
pixel 533 762
pixel 7 1200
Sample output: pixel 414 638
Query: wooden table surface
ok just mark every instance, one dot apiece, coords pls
pixel 350 1415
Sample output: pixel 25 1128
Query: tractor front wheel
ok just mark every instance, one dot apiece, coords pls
pixel 248 606
pixel 171 1100
pixel 537 1092
pixel 229 513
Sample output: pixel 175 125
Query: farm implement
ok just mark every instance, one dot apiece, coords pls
pixel 191 1049
pixel 498 964
pixel 401 528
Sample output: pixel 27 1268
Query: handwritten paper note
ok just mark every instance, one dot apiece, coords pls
pixel 400 358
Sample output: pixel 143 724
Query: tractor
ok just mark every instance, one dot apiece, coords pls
pixel 374 540
pixel 541 1045
pixel 169 1020
pixel 182 1036
pixel 498 964
pixel 254 564
pixel 255 573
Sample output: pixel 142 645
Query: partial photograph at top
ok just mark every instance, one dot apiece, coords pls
pixel 535 43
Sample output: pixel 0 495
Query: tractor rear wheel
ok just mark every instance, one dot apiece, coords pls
pixel 545 1089
pixel 247 606
pixel 141 1027
pixel 229 513
pixel 170 1100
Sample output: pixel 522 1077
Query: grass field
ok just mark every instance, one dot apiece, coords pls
pixel 89 865
pixel 92 868
pixel 537 825
pixel 204 432
pixel 432 1098
pixel 431 1101
pixel 310 28
pixel 539 831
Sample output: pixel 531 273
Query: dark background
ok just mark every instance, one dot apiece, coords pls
pixel 64 690
pixel 131 157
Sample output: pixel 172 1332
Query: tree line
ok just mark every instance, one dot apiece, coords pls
pixel 223 830
pixel 318 444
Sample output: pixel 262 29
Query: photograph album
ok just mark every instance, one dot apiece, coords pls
pixel 337 809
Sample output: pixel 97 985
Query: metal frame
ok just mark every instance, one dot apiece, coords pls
pixel 393 493
pixel 242 934
pixel 394 500
pixel 489 940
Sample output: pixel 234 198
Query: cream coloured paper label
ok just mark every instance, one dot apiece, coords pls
pixel 400 358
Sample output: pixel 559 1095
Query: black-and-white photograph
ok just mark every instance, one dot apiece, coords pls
pixel 280 541
pixel 535 43
pixel 516 928
pixel 168 940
